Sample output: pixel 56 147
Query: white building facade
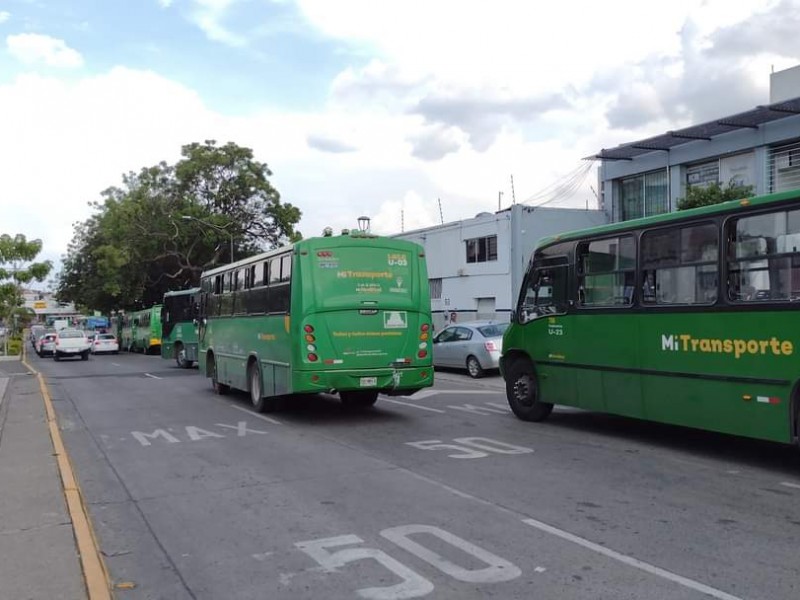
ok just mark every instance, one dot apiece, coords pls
pixel 476 266
pixel 759 148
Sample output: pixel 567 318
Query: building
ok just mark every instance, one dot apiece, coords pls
pixel 476 266
pixel 759 147
pixel 45 305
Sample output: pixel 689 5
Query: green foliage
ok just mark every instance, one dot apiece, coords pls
pixel 17 267
pixel 140 243
pixel 713 194
pixel 15 347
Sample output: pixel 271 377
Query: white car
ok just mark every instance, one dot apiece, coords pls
pixel 71 342
pixel 104 342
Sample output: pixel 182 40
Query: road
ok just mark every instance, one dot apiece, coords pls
pixel 441 495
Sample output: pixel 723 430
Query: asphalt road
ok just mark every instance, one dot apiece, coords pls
pixel 441 495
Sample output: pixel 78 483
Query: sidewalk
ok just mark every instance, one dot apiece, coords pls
pixel 38 556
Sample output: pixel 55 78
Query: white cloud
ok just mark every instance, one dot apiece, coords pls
pixel 33 48
pixel 209 16
pixel 4 16
pixel 165 3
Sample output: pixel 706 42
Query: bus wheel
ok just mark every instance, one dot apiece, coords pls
pixel 180 357
pixel 260 403
pixel 522 391
pixel 219 388
pixel 474 367
pixel 359 398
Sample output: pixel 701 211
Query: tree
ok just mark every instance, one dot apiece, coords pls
pixel 165 224
pixel 714 193
pixel 17 267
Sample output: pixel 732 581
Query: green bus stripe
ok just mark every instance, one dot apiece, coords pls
pixel 782 382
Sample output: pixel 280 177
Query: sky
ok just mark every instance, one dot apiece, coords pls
pixel 412 113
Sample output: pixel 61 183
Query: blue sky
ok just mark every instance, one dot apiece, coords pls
pixel 374 107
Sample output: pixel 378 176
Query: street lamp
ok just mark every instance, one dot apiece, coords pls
pixel 213 226
pixel 363 224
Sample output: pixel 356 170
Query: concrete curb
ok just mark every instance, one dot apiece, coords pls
pixel 95 573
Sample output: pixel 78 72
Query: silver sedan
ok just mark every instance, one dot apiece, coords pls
pixel 474 346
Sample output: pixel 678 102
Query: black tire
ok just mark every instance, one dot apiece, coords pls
pixel 474 367
pixel 219 388
pixel 256 389
pixel 180 357
pixel 85 355
pixel 359 398
pixel 522 391
pixel 56 357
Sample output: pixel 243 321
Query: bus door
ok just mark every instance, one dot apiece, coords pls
pixel 544 310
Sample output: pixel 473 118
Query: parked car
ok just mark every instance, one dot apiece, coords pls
pixel 46 344
pixel 474 346
pixel 104 342
pixel 71 342
pixel 37 331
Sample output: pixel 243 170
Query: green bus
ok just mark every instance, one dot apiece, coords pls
pixel 140 330
pixel 346 314
pixel 689 318
pixel 178 326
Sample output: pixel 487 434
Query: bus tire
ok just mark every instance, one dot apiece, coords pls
pixel 180 357
pixel 474 367
pixel 522 392
pixel 358 398
pixel 256 389
pixel 219 388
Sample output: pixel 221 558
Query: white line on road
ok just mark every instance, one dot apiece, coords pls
pixel 436 410
pixel 633 562
pixel 116 364
pixel 791 485
pixel 152 376
pixel 256 415
pixel 429 393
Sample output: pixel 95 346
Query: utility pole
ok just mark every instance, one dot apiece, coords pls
pixel 441 216
pixel 499 200
pixel 513 195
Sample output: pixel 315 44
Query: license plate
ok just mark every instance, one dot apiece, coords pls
pixel 369 381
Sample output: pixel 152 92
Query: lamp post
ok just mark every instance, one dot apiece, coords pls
pixel 217 227
pixel 363 224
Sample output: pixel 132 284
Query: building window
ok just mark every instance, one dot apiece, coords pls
pixel 644 195
pixel 784 167
pixel 702 175
pixel 482 249
pixel 436 288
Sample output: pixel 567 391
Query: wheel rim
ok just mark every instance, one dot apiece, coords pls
pixel 523 390
pixel 255 386
pixel 473 367
pixel 181 357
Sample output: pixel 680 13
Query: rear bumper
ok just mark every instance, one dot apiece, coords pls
pixel 393 382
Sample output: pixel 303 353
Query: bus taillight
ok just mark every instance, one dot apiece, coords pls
pixel 312 357
pixel 308 329
pixel 425 327
pixel 422 353
pixel 310 338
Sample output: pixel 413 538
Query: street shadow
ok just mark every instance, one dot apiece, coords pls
pixel 327 410
pixel 772 456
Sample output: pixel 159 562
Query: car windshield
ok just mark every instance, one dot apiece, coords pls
pixel 106 336
pixel 67 333
pixel 494 330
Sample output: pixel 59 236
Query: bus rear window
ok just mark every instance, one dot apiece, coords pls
pixel 359 274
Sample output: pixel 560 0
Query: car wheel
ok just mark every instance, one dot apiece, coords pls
pixel 474 367
pixel 522 392
pixel 358 398
pixel 56 357
pixel 85 355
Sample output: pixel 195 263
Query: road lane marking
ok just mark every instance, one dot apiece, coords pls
pixel 630 561
pixel 116 364
pixel 255 414
pixel 436 410
pixel 428 393
pixel 788 484
pixel 152 376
